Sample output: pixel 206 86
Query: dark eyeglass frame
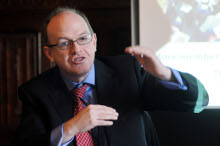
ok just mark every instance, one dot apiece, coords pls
pixel 58 45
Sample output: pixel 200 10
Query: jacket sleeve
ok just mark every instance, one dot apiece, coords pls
pixel 156 96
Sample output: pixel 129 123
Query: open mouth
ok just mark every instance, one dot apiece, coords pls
pixel 78 59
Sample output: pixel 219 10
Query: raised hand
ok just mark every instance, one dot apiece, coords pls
pixel 147 57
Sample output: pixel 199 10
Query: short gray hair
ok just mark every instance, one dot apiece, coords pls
pixel 58 11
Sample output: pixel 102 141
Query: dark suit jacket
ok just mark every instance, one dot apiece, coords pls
pixel 120 83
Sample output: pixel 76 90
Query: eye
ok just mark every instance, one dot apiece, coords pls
pixel 64 44
pixel 85 38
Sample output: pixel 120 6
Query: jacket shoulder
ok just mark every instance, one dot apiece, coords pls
pixel 118 61
pixel 40 79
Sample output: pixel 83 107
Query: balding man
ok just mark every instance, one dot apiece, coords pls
pixel 88 100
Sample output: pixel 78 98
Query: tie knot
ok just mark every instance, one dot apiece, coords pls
pixel 79 92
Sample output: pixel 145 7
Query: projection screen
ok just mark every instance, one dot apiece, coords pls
pixel 185 35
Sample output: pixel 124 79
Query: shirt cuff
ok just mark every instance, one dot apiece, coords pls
pixel 172 85
pixel 56 137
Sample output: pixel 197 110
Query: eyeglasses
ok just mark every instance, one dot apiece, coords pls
pixel 68 44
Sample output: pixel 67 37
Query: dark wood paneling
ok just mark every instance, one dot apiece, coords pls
pixel 11 78
pixel 3 83
pixel 17 53
pixel 20 55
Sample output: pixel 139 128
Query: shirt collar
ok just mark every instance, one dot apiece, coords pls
pixel 90 79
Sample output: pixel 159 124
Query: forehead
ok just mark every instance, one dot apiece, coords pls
pixel 66 24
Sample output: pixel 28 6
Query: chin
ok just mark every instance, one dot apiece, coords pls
pixel 79 72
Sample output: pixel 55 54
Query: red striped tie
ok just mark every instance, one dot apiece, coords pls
pixel 82 139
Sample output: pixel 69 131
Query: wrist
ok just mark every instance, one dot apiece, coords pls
pixel 166 74
pixel 69 130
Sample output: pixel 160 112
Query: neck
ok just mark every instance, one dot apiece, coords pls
pixel 75 78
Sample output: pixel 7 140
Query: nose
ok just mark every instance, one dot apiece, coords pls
pixel 75 49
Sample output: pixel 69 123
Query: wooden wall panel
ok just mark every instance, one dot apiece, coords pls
pixel 21 20
pixel 11 78
pixel 3 93
pixel 21 61
pixel 29 62
pixel 18 64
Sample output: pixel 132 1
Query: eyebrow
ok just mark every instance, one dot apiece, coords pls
pixel 83 33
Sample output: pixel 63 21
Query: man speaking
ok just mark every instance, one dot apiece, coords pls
pixel 88 100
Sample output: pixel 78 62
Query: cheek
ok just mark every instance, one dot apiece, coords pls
pixel 90 52
pixel 60 58
pixel 92 49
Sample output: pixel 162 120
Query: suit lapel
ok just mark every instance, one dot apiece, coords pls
pixel 106 84
pixel 60 96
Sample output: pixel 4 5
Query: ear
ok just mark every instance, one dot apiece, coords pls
pixel 48 53
pixel 94 40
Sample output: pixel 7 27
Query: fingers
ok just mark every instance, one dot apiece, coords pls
pixel 139 50
pixel 135 50
pixel 105 116
pixel 102 115
pixel 92 116
pixel 101 112
pixel 104 123
pixel 102 108
pixel 132 49
pixel 143 54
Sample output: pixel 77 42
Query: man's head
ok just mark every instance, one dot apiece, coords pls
pixel 71 43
